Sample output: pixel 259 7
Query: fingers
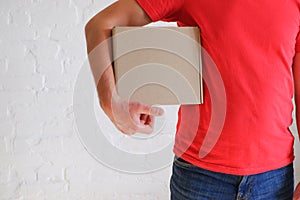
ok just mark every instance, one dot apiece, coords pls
pixel 156 111
pixel 143 118
pixel 148 110
pixel 145 129
pixel 149 120
pixel 146 114
pixel 132 117
pixel 142 128
pixel 146 126
pixel 142 124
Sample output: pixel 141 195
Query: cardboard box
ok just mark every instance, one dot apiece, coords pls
pixel 158 65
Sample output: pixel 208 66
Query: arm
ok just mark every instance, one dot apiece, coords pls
pixel 130 117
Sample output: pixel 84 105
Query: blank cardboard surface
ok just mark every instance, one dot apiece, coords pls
pixel 158 65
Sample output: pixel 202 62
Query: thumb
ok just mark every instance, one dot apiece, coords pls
pixel 151 110
pixel 156 111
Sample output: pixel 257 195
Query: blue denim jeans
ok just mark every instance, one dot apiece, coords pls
pixel 189 182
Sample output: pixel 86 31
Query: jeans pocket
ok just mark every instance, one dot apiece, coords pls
pixel 182 163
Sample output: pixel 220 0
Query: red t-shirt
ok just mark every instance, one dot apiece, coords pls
pixel 252 43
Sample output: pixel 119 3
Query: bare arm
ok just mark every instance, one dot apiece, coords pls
pixel 98 31
pixel 120 13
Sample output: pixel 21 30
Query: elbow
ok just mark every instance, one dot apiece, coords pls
pixel 96 30
pixel 98 22
pixel 98 26
pixel 90 27
pixel 87 28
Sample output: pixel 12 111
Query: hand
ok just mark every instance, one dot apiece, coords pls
pixel 297 193
pixel 131 117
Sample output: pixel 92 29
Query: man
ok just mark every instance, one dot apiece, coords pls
pixel 254 45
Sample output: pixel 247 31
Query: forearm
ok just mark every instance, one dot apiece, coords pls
pixel 105 89
pixel 100 58
pixel 98 40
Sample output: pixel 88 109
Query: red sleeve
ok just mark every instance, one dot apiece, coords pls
pixel 162 10
pixel 297 48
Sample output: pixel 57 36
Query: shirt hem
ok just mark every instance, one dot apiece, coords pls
pixel 234 170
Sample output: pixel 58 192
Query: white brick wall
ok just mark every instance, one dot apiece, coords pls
pixel 41 157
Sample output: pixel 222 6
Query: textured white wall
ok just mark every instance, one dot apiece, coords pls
pixel 42 50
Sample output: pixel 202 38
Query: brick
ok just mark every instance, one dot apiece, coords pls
pixel 77 176
pixel 104 174
pixel 31 191
pixel 61 99
pixel 82 159
pixel 3 113
pixel 8 190
pixel 73 65
pixel 65 33
pixel 4 173
pixel 20 146
pixel 21 17
pixel 25 97
pixel 59 81
pixel 29 130
pixel 23 160
pixel 42 118
pixel 50 173
pixel 21 66
pixel 3 17
pixel 58 126
pixel 14 4
pixel 9 142
pixel 34 114
pixel 26 174
pixel 25 112
pixel 71 145
pixel 94 8
pixel 39 33
pixel 44 50
pixel 21 82
pixel 6 129
pixel 45 145
pixel 60 160
pixel 11 32
pixel 82 4
pixel 12 175
pixel 89 194
pixel 3 65
pixel 3 149
pixel 140 196
pixel 55 13
pixel 50 67
pixel 42 190
pixel 11 49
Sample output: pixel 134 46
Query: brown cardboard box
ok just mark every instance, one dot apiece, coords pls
pixel 158 65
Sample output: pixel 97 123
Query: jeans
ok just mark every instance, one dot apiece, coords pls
pixel 189 182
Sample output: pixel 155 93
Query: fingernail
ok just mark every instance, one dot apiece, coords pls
pixel 159 111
